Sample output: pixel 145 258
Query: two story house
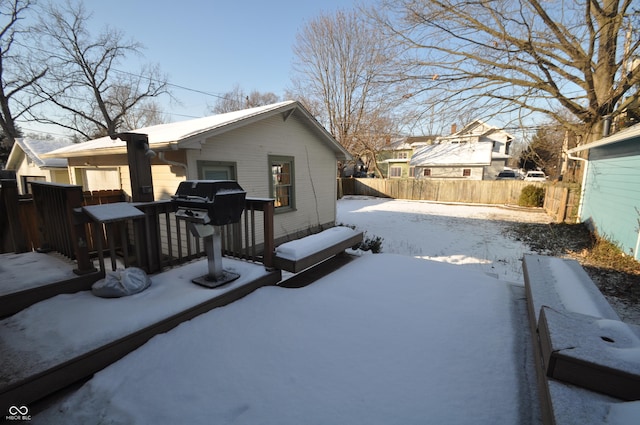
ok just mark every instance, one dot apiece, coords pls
pixel 477 152
pixel 393 159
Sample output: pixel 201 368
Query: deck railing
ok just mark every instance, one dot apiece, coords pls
pixel 61 228
pixel 167 240
pixel 153 241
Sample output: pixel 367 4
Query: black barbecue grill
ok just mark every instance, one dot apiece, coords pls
pixel 206 205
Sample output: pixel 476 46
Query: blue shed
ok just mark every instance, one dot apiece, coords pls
pixel 610 201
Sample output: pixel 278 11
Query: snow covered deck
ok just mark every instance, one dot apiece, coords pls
pixel 30 277
pixel 443 345
pixel 66 338
pixel 587 360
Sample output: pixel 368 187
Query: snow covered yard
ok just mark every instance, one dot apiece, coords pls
pixel 387 338
pixel 469 235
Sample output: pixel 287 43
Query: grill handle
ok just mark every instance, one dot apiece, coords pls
pixel 191 198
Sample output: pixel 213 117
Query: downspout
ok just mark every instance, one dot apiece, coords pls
pixel 174 163
pixel 583 185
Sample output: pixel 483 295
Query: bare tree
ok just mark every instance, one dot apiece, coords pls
pixel 146 114
pixel 94 98
pixel 342 65
pixel 519 56
pixel 237 99
pixel 17 72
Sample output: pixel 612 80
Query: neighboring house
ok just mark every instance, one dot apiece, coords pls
pixel 276 151
pixel 26 159
pixel 477 152
pixel 393 158
pixel 610 201
pixel 452 159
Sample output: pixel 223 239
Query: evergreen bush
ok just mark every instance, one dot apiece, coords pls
pixel 531 196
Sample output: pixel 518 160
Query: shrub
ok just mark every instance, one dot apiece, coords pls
pixel 374 244
pixel 531 196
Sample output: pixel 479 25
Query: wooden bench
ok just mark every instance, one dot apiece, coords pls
pixel 575 334
pixel 303 253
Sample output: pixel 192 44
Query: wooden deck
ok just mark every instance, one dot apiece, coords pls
pixel 31 277
pixel 60 341
pixel 567 311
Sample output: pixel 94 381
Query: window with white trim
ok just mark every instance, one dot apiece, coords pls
pixel 281 183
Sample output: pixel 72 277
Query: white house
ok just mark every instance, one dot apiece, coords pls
pixel 477 152
pixel 26 159
pixel 276 151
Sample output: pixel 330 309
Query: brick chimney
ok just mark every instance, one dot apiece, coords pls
pixel 454 128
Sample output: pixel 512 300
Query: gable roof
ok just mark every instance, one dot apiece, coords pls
pixel 407 143
pixel 35 151
pixel 453 154
pixel 477 128
pixel 627 133
pixel 193 133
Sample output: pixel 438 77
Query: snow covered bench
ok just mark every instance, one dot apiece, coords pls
pixel 587 360
pixel 303 253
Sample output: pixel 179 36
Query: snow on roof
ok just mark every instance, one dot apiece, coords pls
pixel 34 149
pixel 181 132
pixel 474 153
pixel 171 132
pixel 479 129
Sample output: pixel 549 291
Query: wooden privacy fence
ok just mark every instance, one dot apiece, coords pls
pixel 560 200
pixel 19 226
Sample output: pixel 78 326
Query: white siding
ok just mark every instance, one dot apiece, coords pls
pixel 249 148
pixel 450 173
pixel 165 177
pixel 28 168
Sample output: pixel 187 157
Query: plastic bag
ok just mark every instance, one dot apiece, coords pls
pixel 121 283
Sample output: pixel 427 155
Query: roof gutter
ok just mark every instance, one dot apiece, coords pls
pixel 163 146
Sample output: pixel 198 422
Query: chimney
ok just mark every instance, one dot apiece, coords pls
pixel 454 128
pixel 388 140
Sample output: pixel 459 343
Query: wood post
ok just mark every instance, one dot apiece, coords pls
pixel 139 158
pixel 269 234
pixel 77 224
pixel 9 201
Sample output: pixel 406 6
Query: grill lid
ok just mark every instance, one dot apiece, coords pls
pixel 216 202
